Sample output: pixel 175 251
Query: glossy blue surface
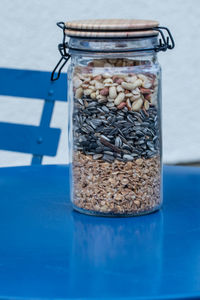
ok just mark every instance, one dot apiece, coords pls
pixel 50 252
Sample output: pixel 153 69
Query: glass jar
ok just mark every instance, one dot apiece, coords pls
pixel 114 94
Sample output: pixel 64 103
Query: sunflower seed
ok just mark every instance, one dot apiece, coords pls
pixel 108 152
pixel 130 119
pixel 80 101
pixel 109 119
pixel 105 138
pixel 118 142
pixel 108 158
pixel 93 125
pixel 150 145
pixel 92 104
pixel 105 109
pixel 127 157
pixel 99 150
pixel 97 156
pixel 96 122
pixel 84 130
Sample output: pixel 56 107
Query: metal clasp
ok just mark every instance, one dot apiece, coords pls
pixel 165 42
pixel 65 56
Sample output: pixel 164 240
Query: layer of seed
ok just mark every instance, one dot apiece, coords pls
pixel 126 135
pixel 119 188
pixel 134 91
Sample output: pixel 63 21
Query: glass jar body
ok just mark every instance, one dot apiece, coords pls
pixel 115 142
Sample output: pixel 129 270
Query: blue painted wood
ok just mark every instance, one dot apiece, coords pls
pixel 29 139
pixel 36 159
pixel 45 120
pixel 31 84
pixel 47 113
pixel 50 252
pixel 37 85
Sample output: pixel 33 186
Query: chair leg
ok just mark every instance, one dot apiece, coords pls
pixel 36 160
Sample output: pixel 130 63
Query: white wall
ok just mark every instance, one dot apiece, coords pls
pixel 29 39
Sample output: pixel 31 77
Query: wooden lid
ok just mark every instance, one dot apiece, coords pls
pixel 111 28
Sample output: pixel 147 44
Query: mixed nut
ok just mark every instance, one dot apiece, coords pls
pixel 116 136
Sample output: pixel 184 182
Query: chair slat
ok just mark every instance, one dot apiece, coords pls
pixel 29 139
pixel 47 113
pixel 31 84
pixel 45 121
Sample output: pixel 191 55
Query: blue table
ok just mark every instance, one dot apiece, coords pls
pixel 50 252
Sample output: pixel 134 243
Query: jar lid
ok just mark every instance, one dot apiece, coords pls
pixel 111 28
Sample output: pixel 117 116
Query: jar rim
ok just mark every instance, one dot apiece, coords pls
pixel 111 46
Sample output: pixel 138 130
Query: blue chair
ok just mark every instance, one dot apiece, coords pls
pixel 37 140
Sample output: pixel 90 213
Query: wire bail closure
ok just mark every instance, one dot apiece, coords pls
pixel 166 41
pixel 65 56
